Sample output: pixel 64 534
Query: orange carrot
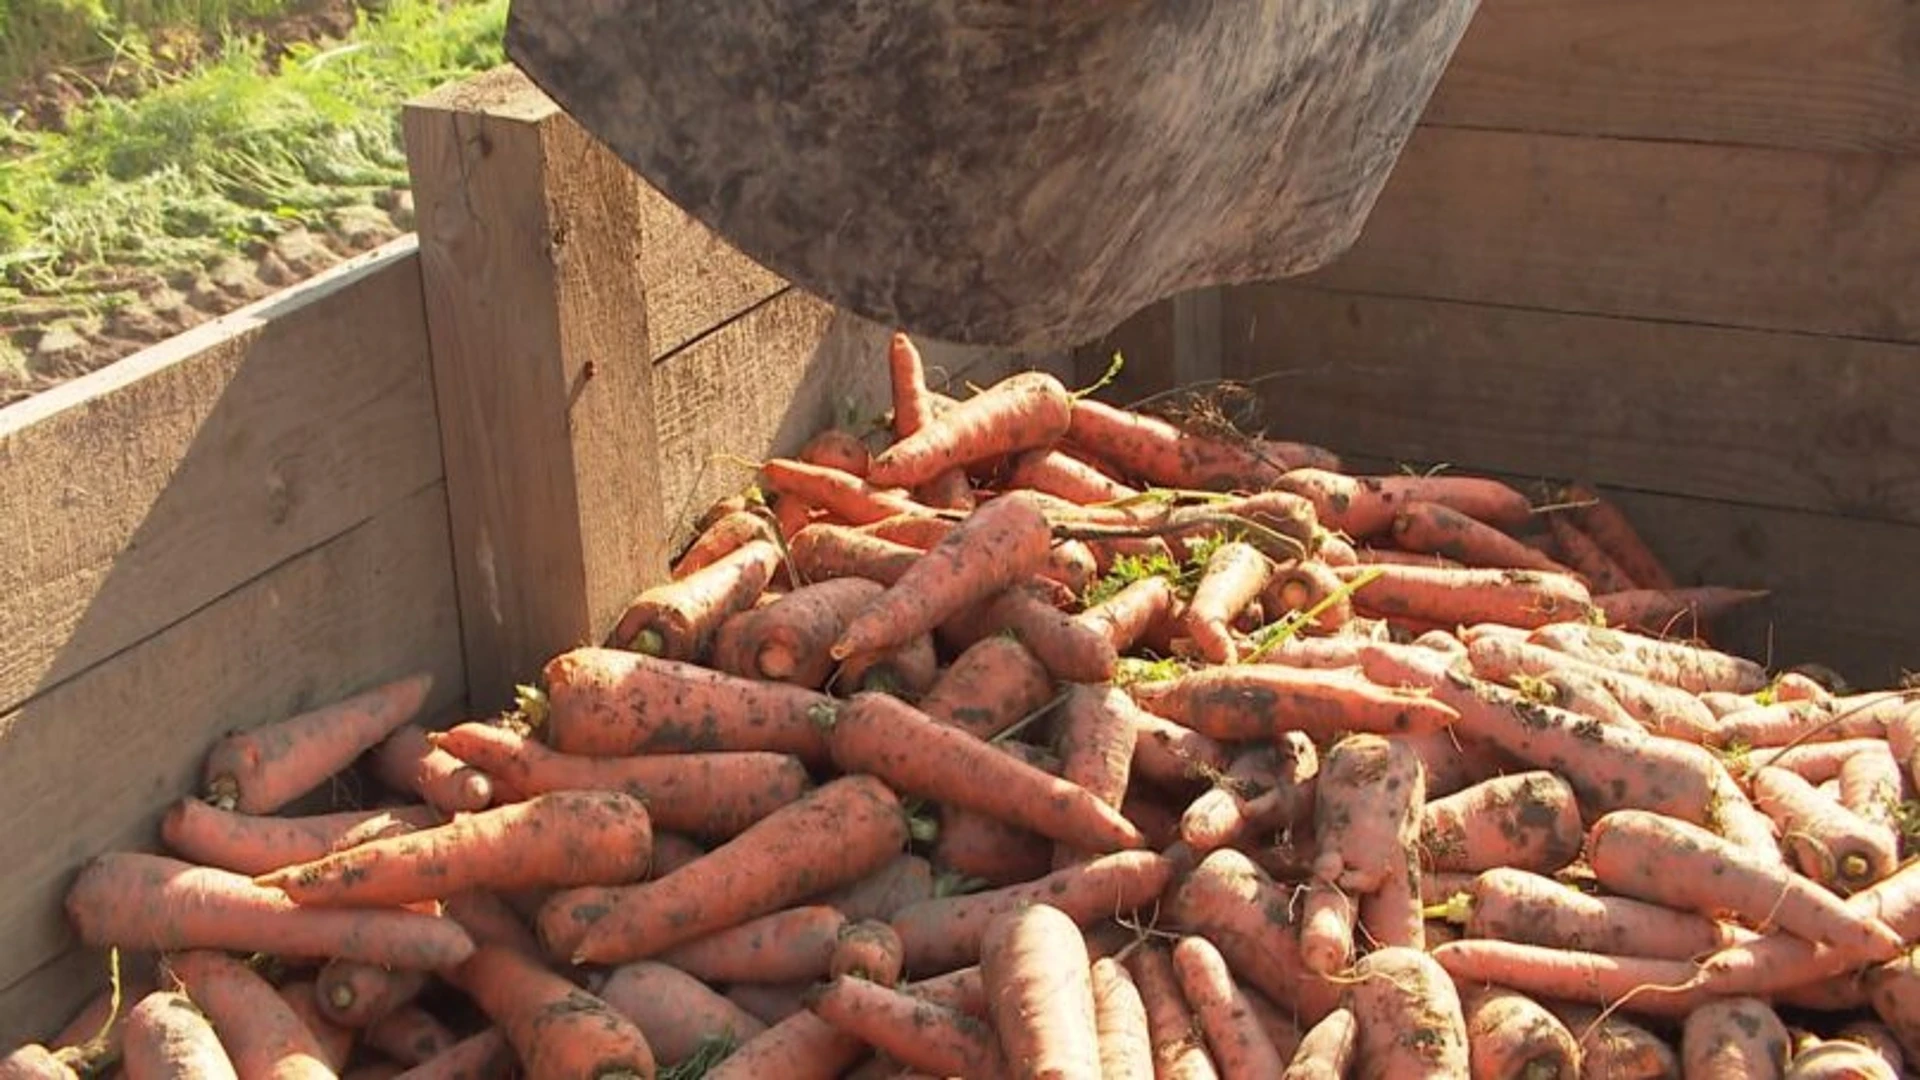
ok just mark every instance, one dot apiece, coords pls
pixel 1392 914
pixel 675 1011
pixel 990 850
pixel 1510 1034
pixel 260 1032
pixel 354 994
pixel 610 702
pixel 1174 757
pixel 1601 519
pixel 202 833
pixel 1778 960
pixel 1375 556
pixel 1586 557
pixel 945 933
pixel 868 949
pixel 1667 611
pixel 1529 820
pixel 1125 617
pixel 1234 576
pixel 677 620
pixel 409 1035
pixel 1240 1046
pixel 1222 815
pixel 843 495
pixel 555 1028
pixel 408 764
pixel 1304 586
pixel 789 639
pixel 1364 506
pixel 834 448
pixel 1664 860
pixel 1576 692
pixel 824 552
pixel 1155 451
pixel 1782 722
pixel 139 901
pixel 336 1041
pixel 922 757
pixel 790 945
pixel 1178 1042
pixel 1233 903
pixel 1871 785
pixel 916 531
pixel 260 770
pixel 1447 596
pixel 906 879
pixel 489 919
pixel 1070 648
pixel 1247 701
pixel 801 1046
pixel 1368 796
pixel 1734 1039
pixel 706 795
pixel 1663 709
pixel 560 839
pixel 770 1003
pixel 1432 529
pixel 914 1032
pixel 1408 1016
pixel 1120 1017
pixel 485 1055
pixel 1893 989
pixel 1327 1050
pixel 837 833
pixel 720 539
pixel 906 671
pixel 1840 1059
pixel 988 687
pixel 1066 477
pixel 1000 543
pixel 1516 905
pixel 1452 764
pixel 35 1062
pixel 1072 564
pixel 1095 736
pixel 1827 842
pixel 1020 412
pixel 1038 978
pixel 168 1038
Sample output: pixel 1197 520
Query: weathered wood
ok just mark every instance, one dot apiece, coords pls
pixel 1004 174
pixel 691 280
pixel 531 241
pixel 1733 236
pixel 91 765
pixel 1842 76
pixel 1776 419
pixel 144 491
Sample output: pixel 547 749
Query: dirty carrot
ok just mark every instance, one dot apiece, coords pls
pixel 302 994
pixel 202 833
pixel 1327 1049
pixel 1020 412
pixel 800 1046
pixel 1671 611
pixel 1220 815
pixel 1827 842
pixel 721 538
pixel 1065 476
pixel 1392 914
pixel 409 1035
pixel 916 531
pixel 1303 587
pixel 1739 1038
pixel 1261 700
pixel 353 993
pixel 868 949
pixel 677 620
pixel 1510 904
pixel 1664 710
pixel 1691 667
pixel 1125 617
pixel 1587 558
pixel 167 1037
pixel 1095 737
pixel 1510 1034
pixel 824 551
pixel 260 1032
pixel 906 879
pixel 911 1031
pixel 706 795
pixel 140 901
pixel 1248 916
pixel 1234 576
pixel 789 639
pixel 1368 796
pixel 556 1028
pixel 988 687
pixel 406 762
pixel 837 833
pixel 1038 978
pixel 846 497
pixel 1448 597
pixel 1529 820
pixel 485 1055
pixel 1174 757
pixel 561 839
pixel 1177 1039
pixel 262 769
pixel 1429 528
pixel 1408 1015
pixel 1364 506
pixel 1600 518
pixel 1327 920
pixel 790 945
pixel 1070 648
pixel 675 1011
pixel 905 671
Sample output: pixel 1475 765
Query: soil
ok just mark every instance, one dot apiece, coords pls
pixel 62 341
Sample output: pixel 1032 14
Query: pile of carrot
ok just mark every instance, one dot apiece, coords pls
pixel 1039 737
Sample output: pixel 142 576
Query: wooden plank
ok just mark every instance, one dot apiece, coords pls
pixel 1837 76
pixel 140 493
pixel 92 764
pixel 693 281
pixel 1731 236
pixel 1690 410
pixel 530 244
pixel 1146 342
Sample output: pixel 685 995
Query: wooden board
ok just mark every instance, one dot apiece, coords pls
pixel 147 490
pixel 1775 419
pixel 1837 76
pixel 1724 235
pixel 692 280
pixel 91 765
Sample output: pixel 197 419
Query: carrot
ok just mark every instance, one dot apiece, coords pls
pixel 485 1055
pixel 789 639
pixel 824 552
pixel 1175 757
pixel 1585 557
pixel 1510 904
pixel 1433 529
pixel 676 1012
pixel 1510 1034
pixel 1376 556
pixel 1779 960
pixel 1364 506
pixel 1222 814
pixel 1649 986
pixel 260 1032
pixel 1234 576
pixel 1576 693
pixel 1690 667
pixel 835 448
pixel 560 839
pixel 139 901
pixel 556 1028
pixel 678 619
pixel 1877 1038
pixel 989 850
pixel 489 919
pixel 35 1062
pixel 835 834
pixel 1248 701
pixel 1447 596
pixel 1797 686
pixel 1663 611
pixel 868 949
pixel 724 536
pixel 988 687
pixel 1150 449
pixel 409 1035
pixel 408 764
pixel 790 945
pixel 1393 914
pixel 1071 563
pixel 1893 989
pixel 922 757
pixel 1368 796
pixel 1178 1042
pixel 918 531
pixel 263 769
pixel 1451 763
pixel 1409 1017
pixel 1613 1047
pixel 336 1040
pixel 1609 768
pixel 1735 1039
pixel 1095 737
pixel 167 1037
pixel 1233 903
pixel 202 833
pixel 1528 820
pixel 1327 918
pixel 914 1032
pixel 1851 716
pixel 1664 860
pixel 770 1003
pixel 610 702
pixel 947 932
pixel 1120 1018
pixel 1840 1059
pixel 1286 514
pixel 1601 520
pixel 1871 785
pixel 906 672
pixel 1304 586
pixel 841 494
pixel 355 994
pixel 1327 1050
pixel 1023 411
pixel 801 1046
pixel 1125 617
pixel 1071 649
pixel 906 879
pixel 1827 842
pixel 1664 710
pixel 1065 476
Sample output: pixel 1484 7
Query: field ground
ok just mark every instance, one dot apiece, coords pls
pixel 202 163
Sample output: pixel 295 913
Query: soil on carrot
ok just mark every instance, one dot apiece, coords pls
pixel 191 173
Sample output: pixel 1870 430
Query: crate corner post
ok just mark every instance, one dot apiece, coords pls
pixel 530 238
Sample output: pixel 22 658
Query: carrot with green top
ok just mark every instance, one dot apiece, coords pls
pixel 720 539
pixel 560 839
pixel 1020 412
pixel 1530 820
pixel 1429 528
pixel 261 1035
pixel 911 1031
pixel 612 702
pixel 556 1028
pixel 790 639
pixel 837 833
pixel 823 552
pixel 202 833
pixel 407 763
pixel 674 1011
pixel 790 945
pixel 1449 597
pixel 260 770
pixel 1261 700
pixel 678 619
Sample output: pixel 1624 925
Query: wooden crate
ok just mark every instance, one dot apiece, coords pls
pixel 1665 246
pixel 460 454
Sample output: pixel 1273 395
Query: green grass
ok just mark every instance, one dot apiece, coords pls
pixel 228 154
pixel 36 35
